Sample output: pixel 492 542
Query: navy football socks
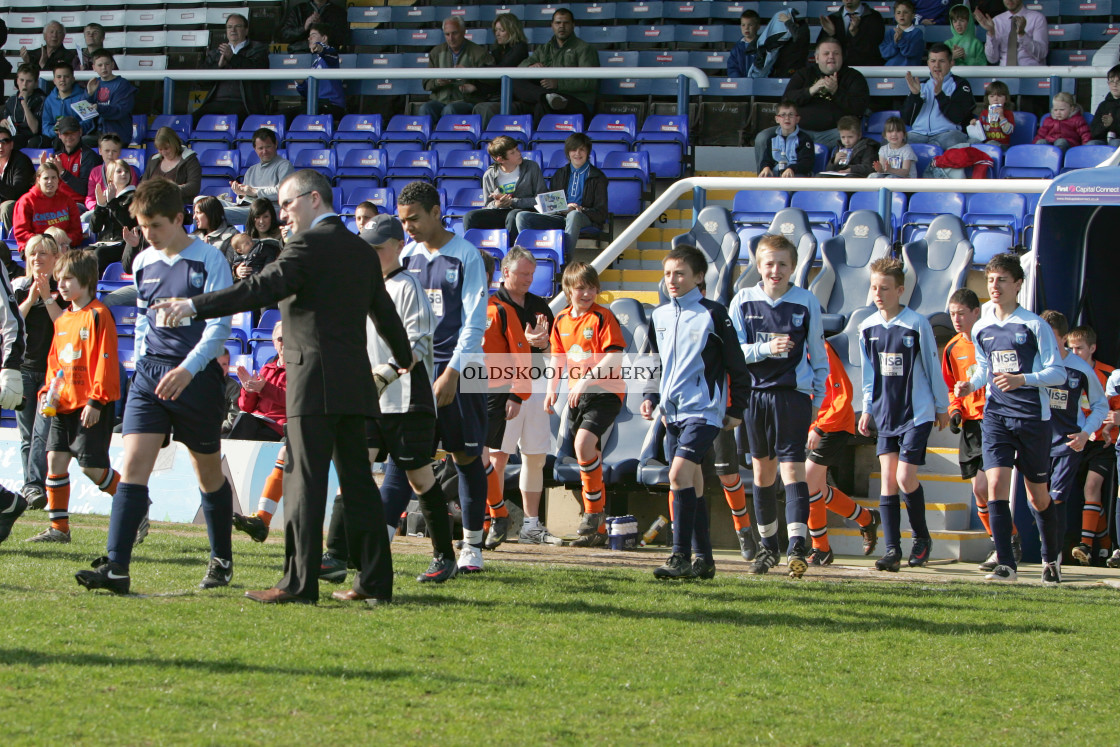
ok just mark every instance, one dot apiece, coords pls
pixel 916 510
pixel 891 514
pixel 217 507
pixel 766 511
pixel 130 505
pixel 999 515
pixel 684 519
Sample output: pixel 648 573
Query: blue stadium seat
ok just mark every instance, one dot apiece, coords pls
pixel 649 11
pixel 603 36
pixel 629 180
pixel 999 211
pixel 463 163
pixel 378 14
pixel 616 58
pixel 534 156
pixel 661 36
pixel 311 128
pixel 1086 156
pixel 124 316
pixel 139 129
pixel 383 198
pixel 181 123
pixel 873 126
pixel 557 128
pixel 936 266
pixel 613 128
pixel 362 128
pixel 318 159
pixel 925 206
pixel 517 126
pixel 665 139
pixel 218 127
pixel 708 60
pixel 663 57
pixel 405 131
pixel 592 13
pixel 1032 162
pixel 243 321
pixel 1064 33
pixel 254 122
pixel 893 87
pixel 707 34
pixel 425 38
pixel 548 247
pixel 757 207
pixel 216 186
pixel 820 158
pixel 925 152
pixel 225 163
pixel 458 129
pixel 822 207
pixel 688 9
pixel 713 233
pixel 870 201
pixel 640 87
pixel 367 164
pixel 410 15
pixel 987 243
pixel 381 37
pixel 135 157
pixel 263 352
pixel 465 200
pixel 1026 124
pixel 413 164
pixel 493 240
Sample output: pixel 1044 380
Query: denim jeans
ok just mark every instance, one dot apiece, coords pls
pixel 571 224
pixel 33 429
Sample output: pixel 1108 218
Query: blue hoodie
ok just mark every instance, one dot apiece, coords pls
pixel 115 100
pixel 55 107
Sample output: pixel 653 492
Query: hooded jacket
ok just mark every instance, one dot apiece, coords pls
pixel 35 213
pixel 1073 129
pixel 973 47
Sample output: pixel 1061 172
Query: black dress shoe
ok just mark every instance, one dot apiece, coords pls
pixel 276 596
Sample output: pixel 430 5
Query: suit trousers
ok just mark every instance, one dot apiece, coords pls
pixel 315 441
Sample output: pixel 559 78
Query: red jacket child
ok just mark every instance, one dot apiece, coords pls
pixel 1074 130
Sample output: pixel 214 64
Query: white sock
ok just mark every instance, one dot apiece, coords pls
pixel 531 522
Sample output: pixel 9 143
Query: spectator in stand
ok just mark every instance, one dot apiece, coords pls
pixel 454 96
pixel 332 95
pixel 59 103
pixel 783 47
pixel 1105 129
pixel 109 148
pixel 510 48
pixel 741 59
pixel 585 188
pixel 855 155
pixel 17 174
pixel 211 226
pixel 114 96
pixel 896 158
pixel 511 185
pixel 51 53
pixel 1066 125
pixel 788 150
pixel 938 109
pixel 175 163
pixel 94 34
pixel 45 206
pixel 237 52
pixel 296 27
pixel 263 400
pixel 859 30
pixel 262 223
pixel 116 229
pixel 559 95
pixel 905 43
pixel 1017 37
pixel 24 108
pixel 931 12
pixel 824 92
pixel 233 393
pixel 262 179
pixel 248 256
pixel 994 117
pixel 967 49
pixel 75 160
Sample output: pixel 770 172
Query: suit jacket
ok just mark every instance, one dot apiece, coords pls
pixel 326 281
pixel 253 93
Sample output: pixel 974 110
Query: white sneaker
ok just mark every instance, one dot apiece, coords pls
pixel 470 559
pixel 1002 573
pixel 538 535
pixel 556 101
pixel 50 534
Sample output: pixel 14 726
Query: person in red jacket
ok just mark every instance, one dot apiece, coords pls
pixel 262 400
pixel 43 206
pixel 829 436
pixel 1066 126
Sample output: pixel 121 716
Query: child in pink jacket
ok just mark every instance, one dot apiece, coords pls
pixel 1066 126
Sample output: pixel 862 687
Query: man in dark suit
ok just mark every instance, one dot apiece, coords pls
pixel 237 52
pixel 326 281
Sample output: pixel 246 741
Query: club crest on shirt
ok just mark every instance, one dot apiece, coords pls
pixel 798 319
pixel 1074 381
pixel 587 334
pixel 1020 338
pixel 83 333
pixel 195 278
pixel 908 340
pixel 451 276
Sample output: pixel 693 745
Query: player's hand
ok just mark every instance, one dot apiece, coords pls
pixel 962 389
pixel 90 416
pixel 512 408
pixel 912 83
pixel 445 387
pixel 549 401
pixel 813 441
pixel 779 345
pixel 174 311
pixel 955 421
pixel 864 426
pixel 173 383
pixel 1007 382
pixel 646 409
pixel 942 420
pixel 11 388
pixel 1078 440
pixel 574 395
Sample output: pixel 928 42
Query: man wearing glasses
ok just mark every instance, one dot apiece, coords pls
pixel 327 280
pixel 17 174
pixel 237 52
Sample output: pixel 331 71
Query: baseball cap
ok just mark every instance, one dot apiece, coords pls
pixel 383 228
pixel 67 124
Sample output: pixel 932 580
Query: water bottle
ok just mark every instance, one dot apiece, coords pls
pixel 995 111
pixel 659 523
pixel 135 142
pixel 54 395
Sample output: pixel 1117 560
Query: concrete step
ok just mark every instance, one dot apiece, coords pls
pixel 610 294
pixel 649 265
pixel 965 546
pixel 950 517
pixel 631 277
pixel 943 460
pixel 938 488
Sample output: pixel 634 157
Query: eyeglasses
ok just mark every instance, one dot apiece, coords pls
pixel 288 202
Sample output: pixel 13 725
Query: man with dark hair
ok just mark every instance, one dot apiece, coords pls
pixel 296 25
pixel 938 110
pixel 824 91
pixel 327 280
pixel 261 180
pixel 859 29
pixel 94 34
pixel 237 52
pixel 560 95
pixel 59 102
pixel 17 174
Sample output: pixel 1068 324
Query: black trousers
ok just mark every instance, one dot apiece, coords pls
pixel 314 441
pixel 533 98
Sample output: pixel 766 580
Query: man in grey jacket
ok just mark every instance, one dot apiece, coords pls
pixel 261 180
pixel 511 186
pixel 457 96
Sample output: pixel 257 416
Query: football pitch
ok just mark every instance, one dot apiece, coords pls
pixel 546 646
